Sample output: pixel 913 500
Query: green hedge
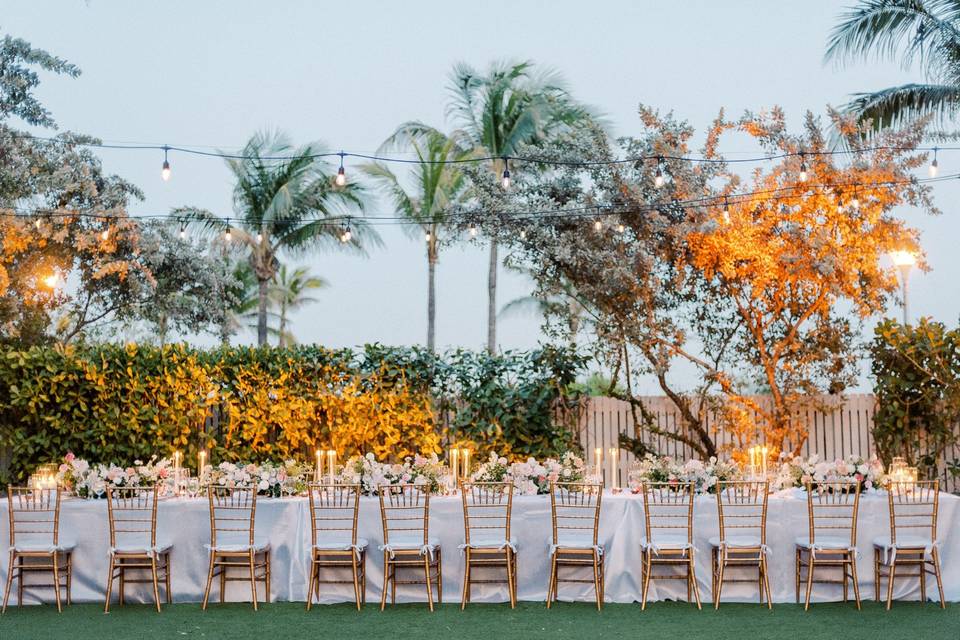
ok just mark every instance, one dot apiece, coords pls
pixel 118 403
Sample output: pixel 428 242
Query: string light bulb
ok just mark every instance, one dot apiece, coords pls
pixel 505 180
pixel 165 171
pixel 855 201
pixel 803 168
pixel 105 235
pixel 52 280
pixel 183 231
pixel 37 224
pixel 341 178
pixel 934 166
pixel 726 211
pixel 621 228
pixel 347 235
pixel 473 230
pixel 228 236
pixel 523 234
pixel 259 237
pixel 597 226
pixel 658 179
pixel 427 236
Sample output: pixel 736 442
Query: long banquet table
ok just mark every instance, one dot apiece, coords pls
pixel 285 523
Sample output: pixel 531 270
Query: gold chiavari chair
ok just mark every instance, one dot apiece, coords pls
pixel 575 512
pixel 742 543
pixel 333 538
pixel 233 544
pixel 487 508
pixel 405 514
pixel 36 543
pixel 668 521
pixel 132 514
pixel 832 510
pixel 912 542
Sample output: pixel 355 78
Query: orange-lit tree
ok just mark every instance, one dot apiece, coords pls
pixel 802 262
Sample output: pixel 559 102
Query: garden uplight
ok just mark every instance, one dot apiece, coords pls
pixel 903 258
pixel 52 281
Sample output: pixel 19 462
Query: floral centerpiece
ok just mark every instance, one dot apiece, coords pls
pixel 532 477
pixel 270 478
pixel 797 471
pixel 496 469
pixel 91 481
pixel 704 475
pixel 369 474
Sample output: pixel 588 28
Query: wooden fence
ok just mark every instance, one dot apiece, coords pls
pixel 838 427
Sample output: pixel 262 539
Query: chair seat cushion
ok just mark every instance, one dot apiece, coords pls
pixel 575 541
pixel 240 547
pixel 904 542
pixel 670 541
pixel 481 542
pixel 745 541
pixel 824 542
pixel 411 543
pixel 43 546
pixel 133 548
pixel 340 545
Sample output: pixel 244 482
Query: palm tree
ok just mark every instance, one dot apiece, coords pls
pixel 500 111
pixel 288 292
pixel 286 201
pixel 926 31
pixel 437 186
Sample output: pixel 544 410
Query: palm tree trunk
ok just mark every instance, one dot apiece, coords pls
pixel 282 341
pixel 431 297
pixel 492 298
pixel 262 313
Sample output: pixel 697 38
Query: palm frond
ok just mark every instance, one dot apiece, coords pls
pixel 896 106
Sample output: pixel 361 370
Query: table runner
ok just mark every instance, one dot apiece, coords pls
pixel 285 522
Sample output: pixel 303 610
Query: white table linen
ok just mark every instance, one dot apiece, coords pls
pixel 185 523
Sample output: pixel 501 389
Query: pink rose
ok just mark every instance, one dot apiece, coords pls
pixel 69 457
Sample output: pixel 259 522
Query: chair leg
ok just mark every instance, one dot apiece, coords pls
pixel 386 579
pixel 266 579
pixel 356 578
pixel 439 575
pixel 56 580
pixel 106 600
pixel 935 556
pixel 123 583
pixel 551 584
pixel 891 577
pixel 645 560
pixel 223 584
pixel 6 591
pixel 876 574
pixel 156 581
pixel 426 574
pixel 206 592
pixel 69 560
pixel 466 579
pixel 811 563
pixel 923 581
pixel 253 579
pixel 796 575
pixel 511 577
pixel 596 580
pixel 692 572
pixel 854 579
pixel 766 579
pixel 313 579
pixel 719 589
pixel 166 577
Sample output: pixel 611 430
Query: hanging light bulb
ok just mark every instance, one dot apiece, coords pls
pixel 36 223
pixel 165 171
pixel 228 236
pixel 341 178
pixel 855 201
pixel 523 234
pixel 597 226
pixel 259 237
pixel 934 167
pixel 427 236
pixel 473 230
pixel 347 235
pixel 505 180
pixel 803 169
pixel 658 179
pixel 105 235
pixel 183 231
pixel 621 228
pixel 726 211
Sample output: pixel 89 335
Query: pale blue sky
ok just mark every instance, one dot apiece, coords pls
pixel 211 73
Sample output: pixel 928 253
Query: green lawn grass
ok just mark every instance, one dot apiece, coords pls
pixel 662 620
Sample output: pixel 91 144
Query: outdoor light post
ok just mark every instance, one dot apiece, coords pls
pixel 904 261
